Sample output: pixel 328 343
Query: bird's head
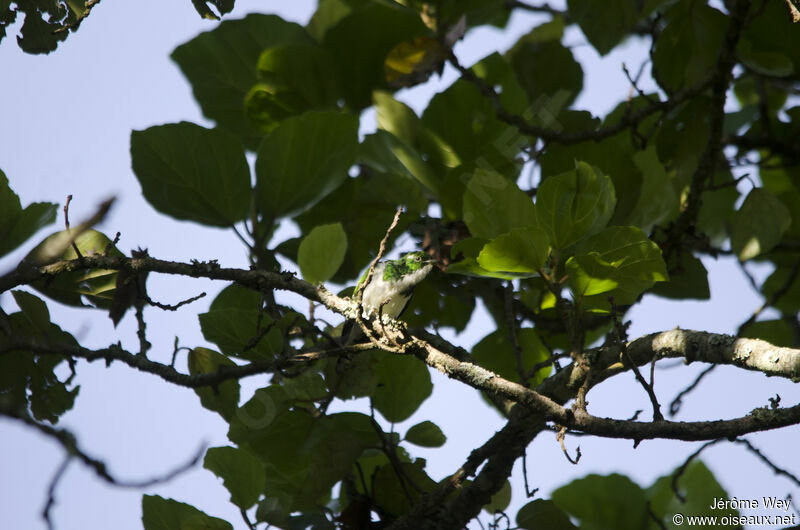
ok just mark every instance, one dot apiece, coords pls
pixel 414 261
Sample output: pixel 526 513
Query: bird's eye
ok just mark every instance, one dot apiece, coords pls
pixel 417 258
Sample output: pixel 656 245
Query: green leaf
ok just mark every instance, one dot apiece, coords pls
pixel 242 474
pixel 369 211
pixel 400 120
pixel 403 384
pixel 293 78
pixel 781 281
pixel 386 153
pixel 18 224
pixel 250 420
pixel 658 201
pixel 192 173
pixel 426 434
pixel 466 121
pixel 220 65
pixel 688 279
pixel 223 398
pixel 549 74
pixel 358 379
pixel 322 252
pixel 619 261
pixel 500 500
pixel 540 514
pixel 773 64
pixel 493 205
pixel 606 24
pixel 306 457
pixel 235 296
pixel 396 117
pixel 699 489
pixel 72 288
pixel 687 48
pixel 242 333
pixel 304 159
pixel 34 309
pixel 360 40
pixel 496 353
pixel 159 513
pixel 575 204
pixel 392 491
pixel 520 250
pixel 759 224
pixel 776 332
pixel 603 502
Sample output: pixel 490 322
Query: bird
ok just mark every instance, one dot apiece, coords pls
pixel 390 288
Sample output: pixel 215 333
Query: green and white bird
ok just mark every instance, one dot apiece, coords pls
pixel 390 288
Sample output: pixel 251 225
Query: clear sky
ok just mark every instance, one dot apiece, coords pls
pixel 65 123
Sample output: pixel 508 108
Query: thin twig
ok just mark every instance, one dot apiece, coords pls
pixel 767 461
pixel 512 324
pixel 51 490
pixel 560 436
pixel 774 298
pixel 68 442
pixel 175 307
pixel 676 404
pixel 66 227
pixel 682 469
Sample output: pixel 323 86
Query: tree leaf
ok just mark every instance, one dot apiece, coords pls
pixel 403 384
pixel 159 513
pixel 322 252
pixel 463 119
pixel 426 434
pixel 699 488
pixel 224 398
pixel 687 48
pixel 304 159
pixel 500 500
pixel 575 204
pixel 361 39
pixel 619 261
pixel 776 332
pixel 602 502
pixel 548 72
pixel 688 279
pixel 391 489
pixel 496 353
pixel 220 65
pixel 386 153
pixel 241 472
pixel 759 224
pixel 658 201
pixel 540 514
pixel 72 288
pixel 34 309
pixel 242 333
pixel 293 78
pixel 606 24
pixel 192 173
pixel 18 224
pixel 520 250
pixel 493 205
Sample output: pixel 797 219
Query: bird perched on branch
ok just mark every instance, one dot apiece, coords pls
pixel 390 288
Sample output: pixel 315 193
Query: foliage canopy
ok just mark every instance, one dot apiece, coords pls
pixel 557 221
